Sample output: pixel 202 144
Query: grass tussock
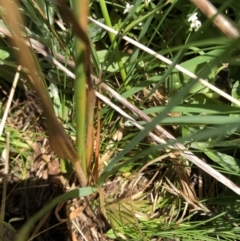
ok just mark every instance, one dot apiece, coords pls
pixel 119 121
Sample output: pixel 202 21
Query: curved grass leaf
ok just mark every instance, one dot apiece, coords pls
pixel 197 108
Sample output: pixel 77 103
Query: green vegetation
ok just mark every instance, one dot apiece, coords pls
pixel 153 139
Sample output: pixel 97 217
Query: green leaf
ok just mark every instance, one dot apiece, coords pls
pixel 194 65
pixel 112 64
pixel 96 33
pixel 236 90
pixel 140 86
pixel 197 120
pixel 3 54
pixel 197 108
pixel 229 163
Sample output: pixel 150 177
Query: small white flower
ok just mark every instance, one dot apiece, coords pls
pixel 193 17
pixel 195 23
pixel 147 1
pixel 128 8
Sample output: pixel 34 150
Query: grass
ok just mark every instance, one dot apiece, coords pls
pixel 155 134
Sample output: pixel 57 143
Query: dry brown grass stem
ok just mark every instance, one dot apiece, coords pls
pixel 10 98
pixel 59 141
pixel 4 191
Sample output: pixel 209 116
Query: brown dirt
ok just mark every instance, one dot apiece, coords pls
pixel 35 179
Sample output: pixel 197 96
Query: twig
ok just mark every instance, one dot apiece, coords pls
pixel 10 98
pixel 4 192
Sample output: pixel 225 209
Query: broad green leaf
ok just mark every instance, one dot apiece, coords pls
pixel 3 54
pixel 229 163
pixel 194 65
pixel 95 32
pixel 112 64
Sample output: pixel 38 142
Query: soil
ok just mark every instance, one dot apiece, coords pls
pixel 35 178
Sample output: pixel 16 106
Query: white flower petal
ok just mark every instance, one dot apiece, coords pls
pixel 195 24
pixel 128 8
pixel 193 17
